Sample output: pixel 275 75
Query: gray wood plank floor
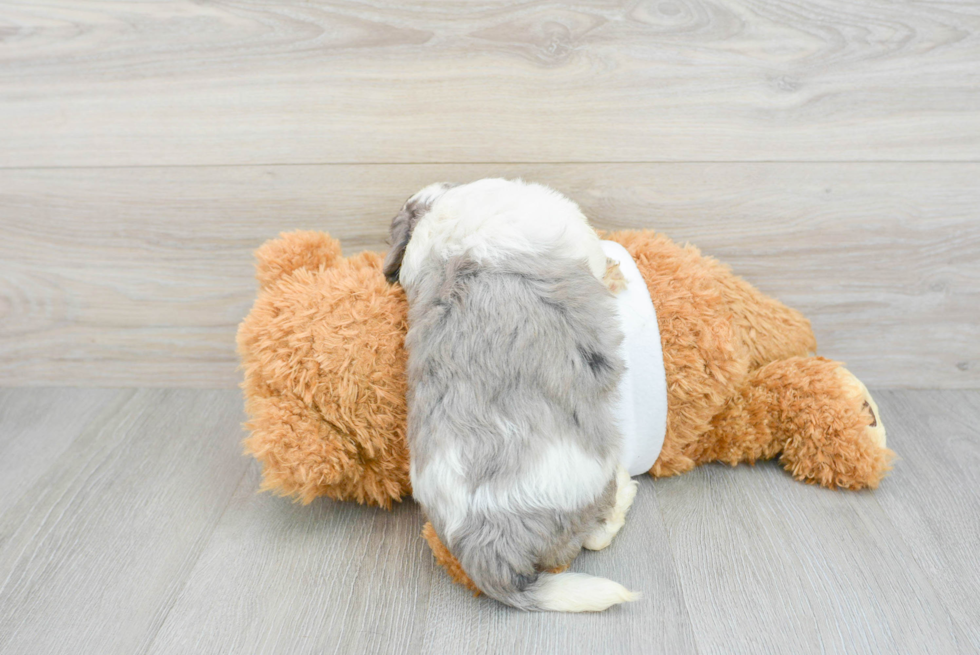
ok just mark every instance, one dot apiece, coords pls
pixel 130 523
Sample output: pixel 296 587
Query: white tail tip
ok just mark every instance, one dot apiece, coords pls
pixel 577 592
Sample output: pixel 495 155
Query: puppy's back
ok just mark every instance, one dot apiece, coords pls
pixel 511 368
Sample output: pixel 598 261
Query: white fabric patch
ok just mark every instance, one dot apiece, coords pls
pixel 641 410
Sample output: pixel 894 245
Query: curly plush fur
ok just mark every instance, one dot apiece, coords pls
pixel 324 361
pixel 322 351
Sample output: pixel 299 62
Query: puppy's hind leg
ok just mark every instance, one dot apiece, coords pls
pixel 605 531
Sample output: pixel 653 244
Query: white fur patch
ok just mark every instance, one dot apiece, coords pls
pixel 441 488
pixel 564 478
pixel 494 218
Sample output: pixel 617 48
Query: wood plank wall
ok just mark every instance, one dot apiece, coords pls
pixel 829 151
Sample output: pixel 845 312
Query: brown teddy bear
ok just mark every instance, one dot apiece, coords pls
pixel 324 363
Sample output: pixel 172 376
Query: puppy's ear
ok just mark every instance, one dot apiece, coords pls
pixel 401 232
pixel 404 224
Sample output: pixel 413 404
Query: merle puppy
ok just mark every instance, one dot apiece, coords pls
pixel 512 369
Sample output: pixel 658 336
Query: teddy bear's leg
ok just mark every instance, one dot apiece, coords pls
pixel 625 493
pixel 715 328
pixel 811 412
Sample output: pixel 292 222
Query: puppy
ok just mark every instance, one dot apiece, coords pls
pixel 512 368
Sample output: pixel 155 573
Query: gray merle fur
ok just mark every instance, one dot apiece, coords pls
pixel 504 360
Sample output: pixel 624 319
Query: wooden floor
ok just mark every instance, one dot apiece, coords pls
pixel 130 523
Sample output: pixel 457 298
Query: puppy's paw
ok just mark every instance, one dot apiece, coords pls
pixel 626 488
pixel 599 539
pixel 613 279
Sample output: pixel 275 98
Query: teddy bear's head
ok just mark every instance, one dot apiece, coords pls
pixel 323 355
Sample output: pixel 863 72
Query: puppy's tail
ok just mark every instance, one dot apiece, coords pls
pixel 551 592
pixel 577 592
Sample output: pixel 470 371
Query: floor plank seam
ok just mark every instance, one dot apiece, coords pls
pixel 903 536
pixel 44 523
pixel 676 570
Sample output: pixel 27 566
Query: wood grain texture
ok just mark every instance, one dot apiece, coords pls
pixel 937 508
pixel 36 426
pixel 772 565
pixel 639 558
pixel 145 536
pixel 139 276
pixel 278 577
pixel 262 82
pixel 93 555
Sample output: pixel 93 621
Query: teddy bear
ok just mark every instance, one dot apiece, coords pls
pixel 323 356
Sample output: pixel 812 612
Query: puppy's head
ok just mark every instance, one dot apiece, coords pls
pixel 404 224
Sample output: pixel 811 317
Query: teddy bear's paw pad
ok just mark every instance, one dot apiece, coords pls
pixel 867 408
pixel 875 429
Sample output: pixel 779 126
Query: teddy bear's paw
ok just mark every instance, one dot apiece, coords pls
pixel 875 430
